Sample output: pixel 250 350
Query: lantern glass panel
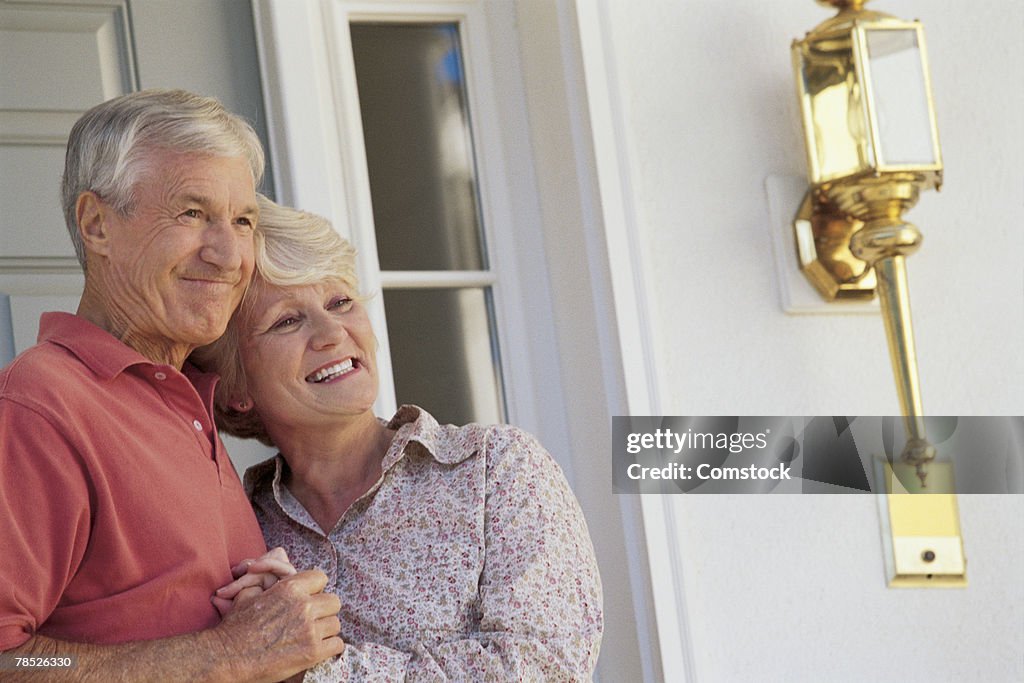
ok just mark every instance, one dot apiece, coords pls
pixel 837 134
pixel 900 97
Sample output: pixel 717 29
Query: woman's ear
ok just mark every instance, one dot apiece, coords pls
pixel 241 405
pixel 92 213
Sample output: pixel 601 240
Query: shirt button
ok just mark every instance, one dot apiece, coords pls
pixel 198 425
pixel 160 376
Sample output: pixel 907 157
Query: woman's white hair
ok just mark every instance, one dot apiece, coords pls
pixel 109 145
pixel 296 247
pixel 292 248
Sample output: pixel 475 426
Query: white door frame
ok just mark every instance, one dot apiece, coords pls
pixel 629 320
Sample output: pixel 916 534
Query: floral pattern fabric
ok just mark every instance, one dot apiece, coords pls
pixel 469 560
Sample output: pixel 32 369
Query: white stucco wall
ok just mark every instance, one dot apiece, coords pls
pixel 791 588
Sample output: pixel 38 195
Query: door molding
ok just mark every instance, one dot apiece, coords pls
pixel 86 51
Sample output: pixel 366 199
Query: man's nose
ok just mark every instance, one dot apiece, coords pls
pixel 223 245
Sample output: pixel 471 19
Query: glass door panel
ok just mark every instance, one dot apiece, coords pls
pixel 427 219
pixel 442 353
pixel 419 146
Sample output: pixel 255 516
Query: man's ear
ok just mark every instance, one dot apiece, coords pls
pixel 92 214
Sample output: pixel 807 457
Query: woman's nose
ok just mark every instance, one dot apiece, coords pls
pixel 327 331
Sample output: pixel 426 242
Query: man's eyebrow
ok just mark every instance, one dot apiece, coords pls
pixel 195 198
pixel 251 210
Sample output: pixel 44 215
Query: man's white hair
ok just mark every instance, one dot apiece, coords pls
pixel 109 145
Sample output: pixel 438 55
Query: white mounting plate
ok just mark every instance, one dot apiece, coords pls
pixel 798 295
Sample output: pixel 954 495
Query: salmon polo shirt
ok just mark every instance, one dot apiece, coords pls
pixel 120 512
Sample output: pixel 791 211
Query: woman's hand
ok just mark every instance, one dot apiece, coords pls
pixel 252 577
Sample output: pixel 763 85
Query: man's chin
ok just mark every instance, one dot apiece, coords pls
pixel 206 331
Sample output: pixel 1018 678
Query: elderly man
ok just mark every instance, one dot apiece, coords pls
pixel 121 512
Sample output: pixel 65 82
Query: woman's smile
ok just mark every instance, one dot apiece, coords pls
pixel 332 371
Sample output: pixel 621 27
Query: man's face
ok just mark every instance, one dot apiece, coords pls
pixel 176 268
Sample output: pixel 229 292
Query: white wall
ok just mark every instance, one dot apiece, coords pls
pixel 791 588
pixel 719 115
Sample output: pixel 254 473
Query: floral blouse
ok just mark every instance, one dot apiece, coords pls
pixel 469 560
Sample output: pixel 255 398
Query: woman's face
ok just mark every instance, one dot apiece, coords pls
pixel 308 353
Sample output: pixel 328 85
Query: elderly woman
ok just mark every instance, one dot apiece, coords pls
pixel 457 552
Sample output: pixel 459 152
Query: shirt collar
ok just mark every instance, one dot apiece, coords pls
pixel 99 350
pixel 105 355
pixel 418 432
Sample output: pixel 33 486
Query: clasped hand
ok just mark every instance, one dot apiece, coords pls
pixel 252 577
pixel 276 619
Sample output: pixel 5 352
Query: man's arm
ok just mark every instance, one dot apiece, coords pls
pixel 288 628
pixel 44 537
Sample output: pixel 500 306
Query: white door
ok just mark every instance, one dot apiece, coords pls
pixel 386 122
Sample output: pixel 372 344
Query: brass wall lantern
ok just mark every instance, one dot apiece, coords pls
pixel 872 147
